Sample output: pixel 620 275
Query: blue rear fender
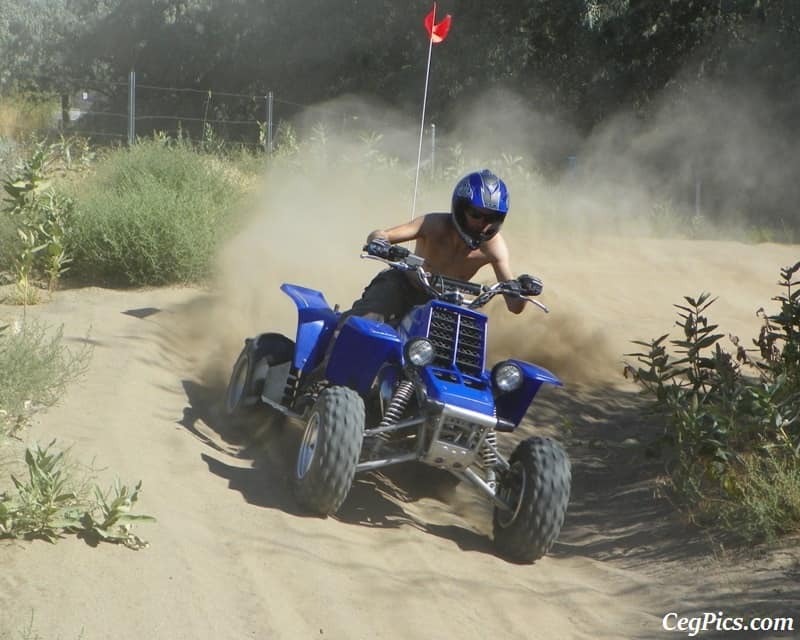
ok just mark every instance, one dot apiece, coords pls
pixel 514 405
pixel 315 325
pixel 361 349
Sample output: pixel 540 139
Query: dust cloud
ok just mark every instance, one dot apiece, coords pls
pixel 589 227
pixel 307 224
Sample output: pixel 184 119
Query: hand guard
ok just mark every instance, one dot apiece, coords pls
pixel 529 285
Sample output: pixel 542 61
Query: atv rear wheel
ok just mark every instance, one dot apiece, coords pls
pixel 537 487
pixel 329 451
pixel 240 395
pixel 247 379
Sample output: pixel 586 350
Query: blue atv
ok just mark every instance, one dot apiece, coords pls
pixel 418 390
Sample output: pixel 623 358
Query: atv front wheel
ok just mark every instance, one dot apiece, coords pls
pixel 537 488
pixel 328 456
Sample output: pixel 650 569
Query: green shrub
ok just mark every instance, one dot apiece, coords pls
pixel 50 503
pixel 779 339
pixel 35 216
pixel 36 367
pixel 733 420
pixel 8 239
pixel 154 214
pixel 766 498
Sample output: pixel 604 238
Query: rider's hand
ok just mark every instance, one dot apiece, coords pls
pixel 530 285
pixel 378 247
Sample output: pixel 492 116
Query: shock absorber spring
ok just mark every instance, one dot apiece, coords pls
pixel 292 382
pixel 488 454
pixel 488 458
pixel 398 403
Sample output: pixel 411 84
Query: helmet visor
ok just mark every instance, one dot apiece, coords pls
pixel 487 217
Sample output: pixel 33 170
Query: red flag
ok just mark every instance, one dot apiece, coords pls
pixel 437 32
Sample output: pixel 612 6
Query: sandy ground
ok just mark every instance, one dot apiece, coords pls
pixel 231 557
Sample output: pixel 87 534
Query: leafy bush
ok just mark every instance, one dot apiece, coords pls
pixel 151 215
pixel 766 501
pixel 733 420
pixel 36 217
pixel 36 367
pixel 48 504
pixel 8 241
pixel 779 340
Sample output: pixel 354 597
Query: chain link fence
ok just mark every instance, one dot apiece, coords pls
pixel 122 111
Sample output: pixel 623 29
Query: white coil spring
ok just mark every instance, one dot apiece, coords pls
pixel 488 455
pixel 398 403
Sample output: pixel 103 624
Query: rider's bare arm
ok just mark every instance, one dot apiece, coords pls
pixel 401 233
pixel 445 253
pixel 497 252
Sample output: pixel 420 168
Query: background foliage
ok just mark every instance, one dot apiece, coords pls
pixel 151 215
pixel 581 63
pixel 587 58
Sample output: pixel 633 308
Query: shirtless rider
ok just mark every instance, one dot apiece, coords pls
pixel 455 244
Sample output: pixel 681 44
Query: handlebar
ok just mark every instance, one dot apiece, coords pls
pixel 451 289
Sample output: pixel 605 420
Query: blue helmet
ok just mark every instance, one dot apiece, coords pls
pixel 480 193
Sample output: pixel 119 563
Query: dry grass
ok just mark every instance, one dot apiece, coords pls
pixel 23 114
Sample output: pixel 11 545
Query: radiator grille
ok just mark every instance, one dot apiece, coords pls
pixel 458 339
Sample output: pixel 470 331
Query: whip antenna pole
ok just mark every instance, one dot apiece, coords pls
pixel 436 34
pixel 422 125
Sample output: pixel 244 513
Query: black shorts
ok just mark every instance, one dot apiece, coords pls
pixel 390 294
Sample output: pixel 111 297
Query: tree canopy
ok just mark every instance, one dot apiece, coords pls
pixel 585 58
pixel 582 60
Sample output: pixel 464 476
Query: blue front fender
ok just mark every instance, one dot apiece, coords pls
pixel 513 406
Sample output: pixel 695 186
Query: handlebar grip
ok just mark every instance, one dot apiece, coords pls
pixel 530 285
pixel 398 253
pixel 378 248
pixel 383 249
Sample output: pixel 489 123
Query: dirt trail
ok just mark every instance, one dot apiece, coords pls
pixel 230 557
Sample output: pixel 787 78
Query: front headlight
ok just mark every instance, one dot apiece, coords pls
pixel 507 377
pixel 420 352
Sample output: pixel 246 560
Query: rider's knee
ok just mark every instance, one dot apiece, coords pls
pixel 373 315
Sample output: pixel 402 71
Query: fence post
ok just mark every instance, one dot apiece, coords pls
pixel 131 108
pixel 64 111
pixel 433 149
pixel 268 141
pixel 572 164
pixel 698 187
